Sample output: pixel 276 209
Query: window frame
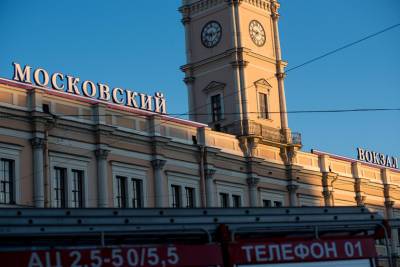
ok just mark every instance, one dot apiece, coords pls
pixel 231 190
pixel 184 180
pixel 220 115
pixel 263 87
pixel 273 196
pixel 70 163
pixel 13 152
pixel 265 104
pixel 9 183
pixel 131 172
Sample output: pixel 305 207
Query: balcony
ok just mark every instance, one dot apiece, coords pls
pixel 265 132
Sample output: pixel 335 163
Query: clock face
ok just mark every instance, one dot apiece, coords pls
pixel 257 33
pixel 211 34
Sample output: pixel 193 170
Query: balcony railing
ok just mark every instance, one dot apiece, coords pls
pixel 266 133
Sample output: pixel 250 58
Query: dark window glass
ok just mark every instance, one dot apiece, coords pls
pixel 121 192
pixel 59 187
pixel 278 204
pixel 267 203
pixel 263 105
pixel 77 189
pixel 224 198
pixel 237 203
pixel 176 196
pixel 137 189
pixel 7 181
pixel 216 108
pixel 189 197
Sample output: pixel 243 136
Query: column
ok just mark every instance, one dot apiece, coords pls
pixel 280 65
pixel 102 175
pixel 159 193
pixel 358 183
pixel 253 192
pixel 210 192
pixel 292 189
pixel 38 172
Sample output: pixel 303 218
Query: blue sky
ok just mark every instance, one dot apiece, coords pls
pixel 140 45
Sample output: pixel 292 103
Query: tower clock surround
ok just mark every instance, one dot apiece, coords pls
pixel 211 34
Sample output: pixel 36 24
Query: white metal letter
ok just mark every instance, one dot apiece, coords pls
pixel 22 76
pixel 54 81
pixel 104 92
pixel 72 88
pixel 118 99
pixel 145 102
pixel 36 77
pixel 85 89
pixel 160 103
pixel 130 99
pixel 361 154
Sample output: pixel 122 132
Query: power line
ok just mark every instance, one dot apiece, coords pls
pixel 344 47
pixel 227 113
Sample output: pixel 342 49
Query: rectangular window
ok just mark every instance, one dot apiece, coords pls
pixel 189 192
pixel 121 192
pixel 236 201
pixel 216 107
pixel 176 196
pixel 76 188
pixel 277 204
pixel 267 203
pixel 59 187
pixel 137 190
pixel 263 103
pixel 224 199
pixel 7 181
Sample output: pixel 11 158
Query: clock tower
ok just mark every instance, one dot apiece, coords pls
pixel 234 71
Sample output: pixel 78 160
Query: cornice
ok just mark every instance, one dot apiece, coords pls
pixel 204 5
pixel 240 52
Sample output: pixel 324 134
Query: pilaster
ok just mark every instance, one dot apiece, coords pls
pixel 160 192
pixel 359 184
pixel 102 177
pixel 210 187
pixel 252 183
pixel 38 171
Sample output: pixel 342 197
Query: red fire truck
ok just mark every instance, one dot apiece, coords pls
pixel 276 237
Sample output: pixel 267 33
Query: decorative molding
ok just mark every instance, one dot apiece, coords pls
pixel 37 142
pixel 209 173
pixel 186 20
pixel 292 188
pixel 281 75
pixel 189 80
pixel 214 86
pixel 200 6
pixel 262 83
pixel 239 63
pixel 252 181
pixel 274 9
pixel 102 153
pixel 158 164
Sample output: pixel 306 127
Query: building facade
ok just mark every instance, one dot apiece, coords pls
pixel 65 146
